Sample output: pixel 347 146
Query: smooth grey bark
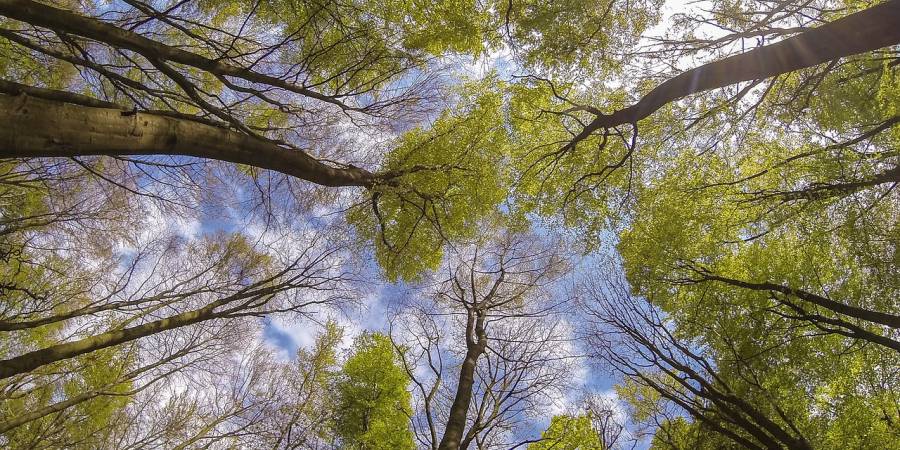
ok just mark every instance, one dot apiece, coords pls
pixel 864 31
pixel 33 126
pixel 68 130
pixel 476 343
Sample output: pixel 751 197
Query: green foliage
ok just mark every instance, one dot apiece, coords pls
pixel 738 198
pixel 774 185
pixel 313 381
pixel 319 361
pixel 642 399
pixel 568 35
pixel 83 425
pixel 447 178
pixel 569 433
pixel 25 208
pixel 583 187
pixel 374 405
pixel 574 35
pixel 458 26
pixel 677 228
pixel 680 434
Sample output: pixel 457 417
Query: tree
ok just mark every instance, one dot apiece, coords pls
pixel 867 30
pixel 174 173
pixel 569 433
pixel 595 425
pixel 482 343
pixel 251 298
pixel 588 166
pixel 373 402
pixel 92 396
pixel 64 290
pixel 310 411
pixel 487 294
pixel 193 96
pixel 729 383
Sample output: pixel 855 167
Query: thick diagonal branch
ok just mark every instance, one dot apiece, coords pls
pixel 864 31
pixel 41 127
pixel 38 358
pixel 882 318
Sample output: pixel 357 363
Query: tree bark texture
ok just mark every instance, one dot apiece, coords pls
pixel 38 127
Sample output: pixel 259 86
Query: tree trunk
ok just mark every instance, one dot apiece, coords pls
pixel 60 20
pixel 38 127
pixel 476 342
pixel 864 31
pixel 32 360
pixel 456 422
pixel 885 319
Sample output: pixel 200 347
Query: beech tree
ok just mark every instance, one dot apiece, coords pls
pixel 174 175
pixel 504 357
pixel 373 404
pixel 727 382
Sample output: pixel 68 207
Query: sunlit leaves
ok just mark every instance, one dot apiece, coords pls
pixel 83 425
pixel 585 185
pixel 443 180
pixel 574 36
pixel 374 404
pixel 569 433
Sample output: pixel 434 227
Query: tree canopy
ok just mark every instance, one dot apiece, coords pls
pixel 445 225
pixel 373 400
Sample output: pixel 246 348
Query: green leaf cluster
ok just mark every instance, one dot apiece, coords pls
pixel 569 433
pixel 373 407
pixel 445 179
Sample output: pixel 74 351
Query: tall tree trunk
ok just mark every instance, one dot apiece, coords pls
pixel 32 360
pixel 476 342
pixel 40 127
pixel 864 31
